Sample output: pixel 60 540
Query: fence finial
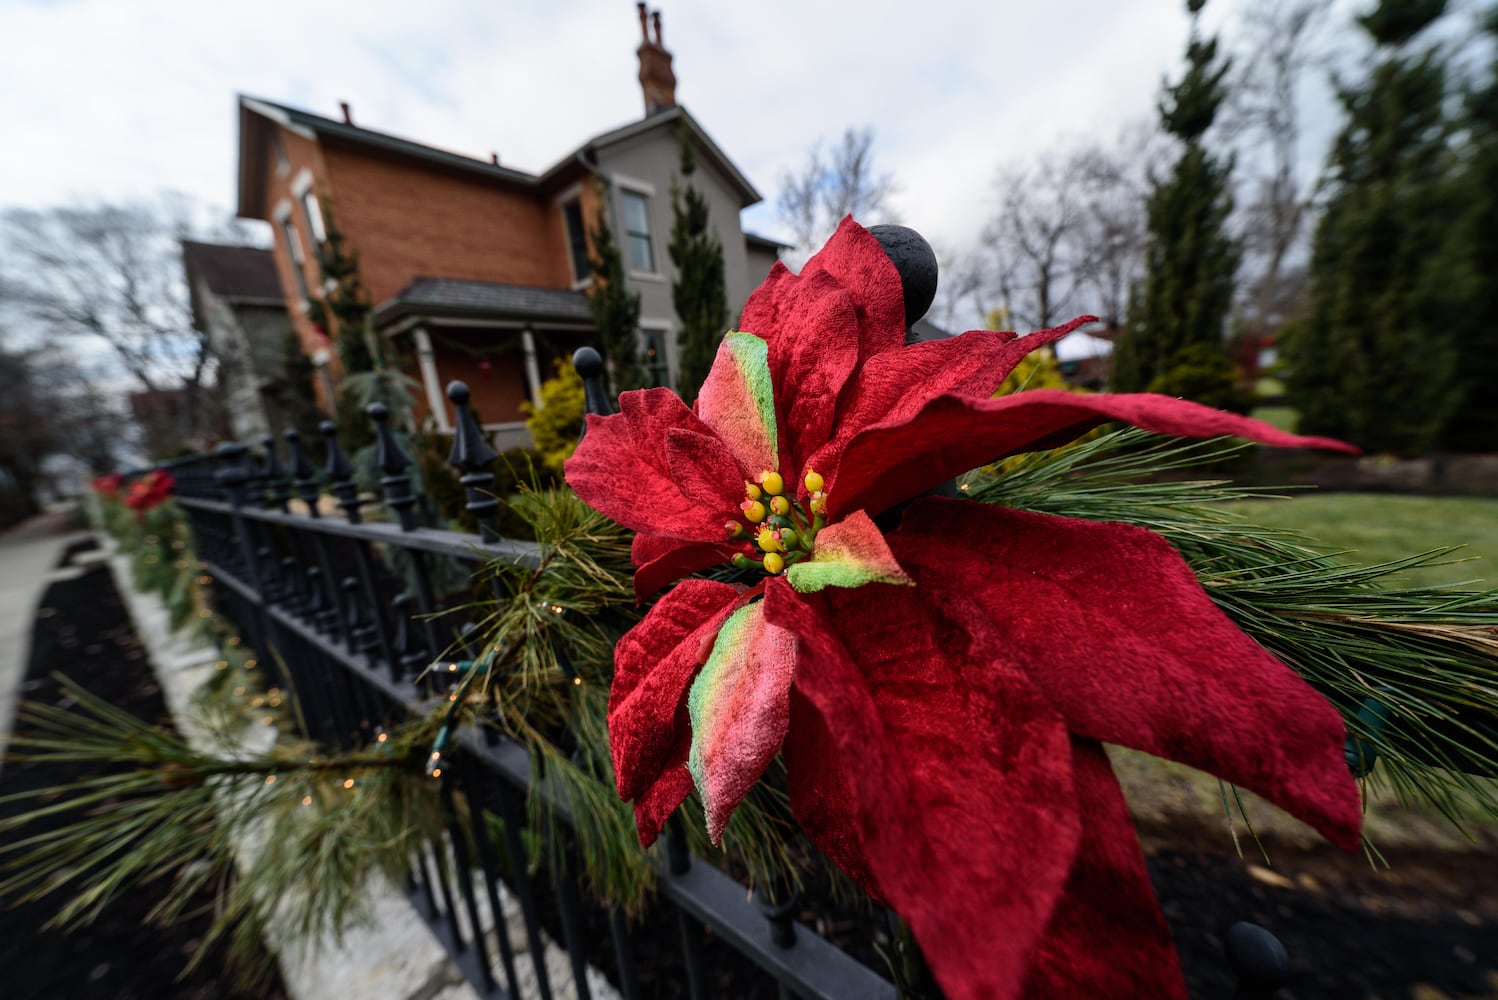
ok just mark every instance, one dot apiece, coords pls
pixel 340 472
pixel 474 458
pixel 589 365
pixel 278 491
pixel 390 459
pixel 301 469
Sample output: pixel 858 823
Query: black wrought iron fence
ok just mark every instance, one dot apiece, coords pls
pixel 352 637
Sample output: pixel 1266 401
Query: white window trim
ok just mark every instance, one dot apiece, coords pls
pixel 294 248
pixel 299 188
pixel 575 191
pixel 620 184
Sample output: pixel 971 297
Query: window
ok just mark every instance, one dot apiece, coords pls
pixel 577 240
pixel 283 165
pixel 298 258
pixel 655 357
pixel 637 247
pixel 314 216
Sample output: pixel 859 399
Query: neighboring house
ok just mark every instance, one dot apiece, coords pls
pixel 238 304
pixel 478 271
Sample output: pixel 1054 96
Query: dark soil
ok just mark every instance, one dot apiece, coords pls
pixel 82 630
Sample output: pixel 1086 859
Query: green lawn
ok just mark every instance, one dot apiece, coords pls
pixel 1376 528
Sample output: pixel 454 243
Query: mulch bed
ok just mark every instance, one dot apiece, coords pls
pixel 83 630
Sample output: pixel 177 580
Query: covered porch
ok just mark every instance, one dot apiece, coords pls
pixel 502 340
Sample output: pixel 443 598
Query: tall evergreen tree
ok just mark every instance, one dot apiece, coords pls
pixel 615 309
pixel 1373 360
pixel 344 312
pixel 699 294
pixel 1190 259
pixel 1474 427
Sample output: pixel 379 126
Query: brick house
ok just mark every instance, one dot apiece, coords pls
pixel 478 271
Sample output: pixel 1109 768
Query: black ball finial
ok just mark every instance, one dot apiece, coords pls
pixel 588 362
pixel 457 392
pixel 916 262
pixel 1258 957
pixel 378 412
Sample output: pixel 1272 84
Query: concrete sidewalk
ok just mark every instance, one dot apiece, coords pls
pixel 28 555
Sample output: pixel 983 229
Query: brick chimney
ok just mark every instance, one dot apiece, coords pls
pixel 656 78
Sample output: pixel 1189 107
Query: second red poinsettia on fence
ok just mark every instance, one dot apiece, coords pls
pixel 940 692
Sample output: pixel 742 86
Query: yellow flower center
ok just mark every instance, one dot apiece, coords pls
pixel 781 531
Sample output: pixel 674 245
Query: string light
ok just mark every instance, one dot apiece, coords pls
pixel 381 738
pixel 239 692
pixel 250 664
pixel 577 682
pixel 270 779
pixel 348 782
pixel 307 801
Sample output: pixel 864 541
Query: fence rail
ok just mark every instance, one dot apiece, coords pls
pixel 351 637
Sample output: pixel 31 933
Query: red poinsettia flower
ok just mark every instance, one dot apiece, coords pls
pixel 940 693
pixel 108 486
pixel 150 491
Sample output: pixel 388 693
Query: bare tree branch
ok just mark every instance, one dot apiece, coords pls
pixel 815 199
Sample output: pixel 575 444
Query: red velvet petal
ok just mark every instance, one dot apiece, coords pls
pixel 762 312
pixel 813 352
pixel 704 473
pixel 857 260
pixel 904 457
pixel 895 385
pixel 621 468
pixel 654 664
pixel 661 561
pixel 956 795
pixel 1107 939
pixel 659 800
pixel 1112 627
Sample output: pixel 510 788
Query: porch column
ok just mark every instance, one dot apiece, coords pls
pixel 532 366
pixel 426 360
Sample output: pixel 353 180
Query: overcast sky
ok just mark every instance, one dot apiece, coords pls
pixel 103 99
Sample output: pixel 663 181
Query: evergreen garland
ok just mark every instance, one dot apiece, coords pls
pixel 1374 361
pixel 699 294
pixel 1190 258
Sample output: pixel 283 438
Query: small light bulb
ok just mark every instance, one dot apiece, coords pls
pixel 348 782
pixel 307 801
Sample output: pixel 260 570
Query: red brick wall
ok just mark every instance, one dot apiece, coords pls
pixel 301 154
pixel 407 220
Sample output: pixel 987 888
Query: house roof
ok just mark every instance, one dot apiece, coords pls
pixel 244 275
pixel 455 297
pixel 706 147
pixel 765 242
pixel 257 117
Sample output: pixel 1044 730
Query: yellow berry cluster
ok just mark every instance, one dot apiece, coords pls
pixel 784 531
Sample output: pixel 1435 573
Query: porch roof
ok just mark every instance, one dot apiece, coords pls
pixel 462 298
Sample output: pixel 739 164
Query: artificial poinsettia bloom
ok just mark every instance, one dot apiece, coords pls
pixel 940 693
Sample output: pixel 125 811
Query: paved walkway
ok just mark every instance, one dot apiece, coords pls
pixel 28 554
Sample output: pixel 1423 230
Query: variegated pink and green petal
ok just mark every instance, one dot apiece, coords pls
pixel 654 664
pixel 736 401
pixel 740 708
pixel 660 561
pixel 905 456
pixel 622 468
pixel 850 553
